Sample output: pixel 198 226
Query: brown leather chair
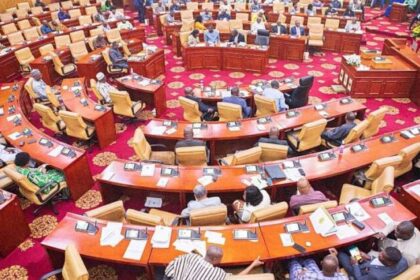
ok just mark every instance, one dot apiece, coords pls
pixel 114 212
pixel 191 109
pixel 269 213
pixel 124 106
pixel 309 208
pixel 265 106
pixel 258 276
pixel 412 273
pixel 248 156
pixel 272 152
pixel 6 17
pixel 143 149
pixel 191 156
pixel 407 154
pixel 222 26
pixel 85 20
pixel 374 120
pixel 229 112
pixel 384 183
pixel 209 216
pixel 31 92
pixel 353 136
pixel 308 137
pixel 49 119
pixel 73 269
pixel 186 15
pixel 96 92
pixel 153 218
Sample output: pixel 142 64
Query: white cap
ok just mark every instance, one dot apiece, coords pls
pixel 100 76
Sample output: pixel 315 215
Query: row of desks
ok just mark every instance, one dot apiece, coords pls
pixel 236 252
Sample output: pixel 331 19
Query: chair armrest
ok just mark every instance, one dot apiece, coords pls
pixel 297 140
pixel 176 222
pixel 52 273
pixel 153 161
pixel 222 162
pixel 39 191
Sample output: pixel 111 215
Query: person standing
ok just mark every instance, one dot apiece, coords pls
pixel 139 5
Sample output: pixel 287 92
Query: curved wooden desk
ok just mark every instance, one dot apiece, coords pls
pixel 411 199
pixel 102 120
pixel 220 138
pixel 236 252
pixel 249 58
pixel 115 180
pixel 76 169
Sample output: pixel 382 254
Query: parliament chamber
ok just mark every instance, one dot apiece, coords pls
pixel 209 139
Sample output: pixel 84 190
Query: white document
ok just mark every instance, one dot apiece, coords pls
pixel 135 250
pixel 288 164
pixel 144 82
pixel 163 181
pixel 171 130
pixel 108 176
pixel 292 174
pixel 323 114
pixel 357 211
pixel 345 231
pixel 196 132
pixel 12 117
pixel 234 128
pixel 162 237
pixel 56 151
pixel 286 239
pixel 5 87
pixel 322 222
pixel 147 170
pixel 261 127
pixel 2 111
pixel 386 218
pixel 111 234
pixel 187 246
pixel 218 241
pixel 212 234
pixel 215 237
pixel 205 180
pixel 415 189
pixel 158 130
pixel 153 202
pixel 259 182
pixel 15 135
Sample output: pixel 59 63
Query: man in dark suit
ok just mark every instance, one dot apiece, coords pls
pixel 279 29
pixel 116 57
pixel 189 140
pixel 139 5
pixel 236 37
pixel 386 266
pixel 209 112
pixel 336 135
pixel 273 138
pixel 297 30
pixel 235 99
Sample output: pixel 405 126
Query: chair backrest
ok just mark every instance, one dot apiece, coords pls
pixel 316 31
pixel 229 111
pixel 240 6
pixel 236 24
pixel 48 118
pixel 278 7
pixel 187 15
pixel 75 125
pixel 113 35
pixel 248 156
pixel 110 212
pixel 300 95
pixel 95 91
pixel 54 6
pixel 35 11
pixel 24 56
pixel 191 109
pixel 269 213
pixel 207 5
pixel 23 6
pixel 412 273
pixel 332 23
pixel 77 36
pixel 62 41
pixel 192 6
pixel 385 182
pixel 408 154
pixel 311 133
pixel 31 33
pixel 258 276
pixel 379 165
pixel 242 16
pixel 24 24
pixel 162 19
pixel 183 38
pixel 187 25
pixel 78 50
pixel 222 26
pixel 6 17
pixel 294 18
pixel 15 38
pixel 313 20
pixel 66 5
pixel 58 64
pixel 26 187
pixel 9 28
pixel 265 106
pixel 74 268
pixel 11 10
pixel 309 208
pixel 191 156
pixel 45 49
pixel 96 31
pixel 84 3
pixel 122 103
pixel 29 89
pixel 142 218
pixel 21 13
pixel 140 145
pixel 374 120
pixel 209 216
pixel 85 20
pixel 356 132
pixel 272 152
pixel 105 55
pixel 91 10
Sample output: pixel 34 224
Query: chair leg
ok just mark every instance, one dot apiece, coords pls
pixel 40 207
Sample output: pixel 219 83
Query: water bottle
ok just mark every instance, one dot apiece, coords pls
pixel 202 85
pixel 340 151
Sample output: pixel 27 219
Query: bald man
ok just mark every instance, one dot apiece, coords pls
pixel 235 99
pixel 189 140
pixel 305 195
pixel 308 269
pixel 273 138
pixel 209 112
pixel 194 267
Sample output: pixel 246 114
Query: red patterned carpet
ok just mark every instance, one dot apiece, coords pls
pixel 30 261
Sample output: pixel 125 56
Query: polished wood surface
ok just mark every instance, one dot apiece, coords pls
pixel 103 121
pixel 46 66
pixel 399 12
pixel 411 200
pixel 76 169
pixel 13 230
pixel 341 41
pixel 153 94
pixel 152 66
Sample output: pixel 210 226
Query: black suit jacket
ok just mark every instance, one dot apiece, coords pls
pixel 241 38
pixel 275 29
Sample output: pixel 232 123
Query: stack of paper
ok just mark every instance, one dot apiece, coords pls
pixel 322 222
pixel 345 231
pixel 162 237
pixel 188 246
pixel 147 170
pixel 292 174
pixel 215 237
pixel 111 234
pixel 205 180
pixel 56 151
pixel 415 189
pixel 357 211
pixel 135 250
pixel 158 130
pixel 286 239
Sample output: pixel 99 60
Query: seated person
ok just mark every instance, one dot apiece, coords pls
pixel 317 4
pixel 255 6
pixel 336 4
pixel 331 10
pixel 113 14
pixel 235 99
pixel 357 5
pixel 38 85
pixel 193 266
pixel 193 38
pixel 336 135
pixel 386 266
pixel 209 112
pixel 310 10
pixel 201 201
pixel 348 12
pixel 223 15
pixel 254 199
pixel 308 269
pixel 39 3
pixel 175 7
pixel 236 37
pixel 305 195
pixel 225 6
pixel 211 36
pixel 273 138
pixel 58 26
pixel 273 92
pixel 62 15
pixel 198 23
pixel 45 27
pixel 105 27
pixel 293 9
pixel 297 30
pixel 99 17
pixel 405 237
pixel 257 25
pixel 279 29
pixel 189 140
pixel 117 59
pixel 104 87
pixel 41 176
pixel 260 14
pixel 206 15
pixel 124 24
pixel 159 9
pixel 100 42
pixel 7 154
pixel 170 17
pixel 353 26
pixel 106 6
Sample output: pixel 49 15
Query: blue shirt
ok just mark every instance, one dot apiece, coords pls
pixel 206 17
pixel 213 37
pixel 45 29
pixel 62 15
pixel 246 111
pixel 223 16
pixel 278 96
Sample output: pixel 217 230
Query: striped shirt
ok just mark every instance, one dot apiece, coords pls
pixel 193 267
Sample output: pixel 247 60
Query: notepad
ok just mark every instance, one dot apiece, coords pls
pixel 12 117
pixel 171 130
pixel 135 250
pixel 15 135
pixel 153 202
pixel 147 170
pixel 108 175
pixel 111 234
pixel 345 231
pixel 205 180
pixel 56 151
pixel 292 174
pixel 286 239
pixel 261 127
pixel 162 237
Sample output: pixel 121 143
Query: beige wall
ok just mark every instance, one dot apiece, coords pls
pixel 5 4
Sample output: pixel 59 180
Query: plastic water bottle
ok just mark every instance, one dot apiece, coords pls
pixel 340 151
pixel 202 85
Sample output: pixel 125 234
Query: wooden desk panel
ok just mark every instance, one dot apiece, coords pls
pixel 342 42
pixel 88 68
pixel 103 121
pixel 398 13
pixel 152 67
pixel 411 200
pixel 199 58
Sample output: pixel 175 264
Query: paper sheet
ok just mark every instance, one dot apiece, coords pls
pixel 158 130
pixel 15 135
pixel 111 234
pixel 171 130
pixel 205 180
pixel 415 189
pixel 147 170
pixel 357 211
pixel 286 239
pixel 187 246
pixel 215 237
pixel 12 117
pixel 135 249
pixel 345 231
pixel 162 237
pixel 56 151
pixel 261 127
pixel 292 174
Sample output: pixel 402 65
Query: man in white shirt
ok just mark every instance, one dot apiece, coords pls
pixel 104 87
pixel 124 24
pixel 38 85
pixel 353 26
pixel 7 154
pixel 259 24
pixel 273 92
pixel 201 201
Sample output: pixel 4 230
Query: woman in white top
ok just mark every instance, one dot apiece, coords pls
pixel 254 199
pixel 193 38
